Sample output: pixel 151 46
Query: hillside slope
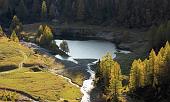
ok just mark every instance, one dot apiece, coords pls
pixel 22 69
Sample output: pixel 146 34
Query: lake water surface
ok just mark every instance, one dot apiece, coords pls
pixel 91 49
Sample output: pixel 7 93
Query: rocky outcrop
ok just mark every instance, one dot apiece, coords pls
pixel 86 33
pixel 122 38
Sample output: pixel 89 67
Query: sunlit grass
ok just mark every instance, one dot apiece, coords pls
pixel 41 84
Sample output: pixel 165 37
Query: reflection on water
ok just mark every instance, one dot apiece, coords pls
pixel 91 49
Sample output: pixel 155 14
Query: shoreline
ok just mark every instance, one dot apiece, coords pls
pixel 139 49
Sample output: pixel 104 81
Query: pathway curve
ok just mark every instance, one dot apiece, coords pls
pixel 24 58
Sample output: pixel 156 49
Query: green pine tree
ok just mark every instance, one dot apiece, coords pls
pixel 1 31
pixel 40 31
pixel 22 11
pixel 14 37
pixel 52 11
pixel 64 46
pixel 36 8
pixel 16 25
pixel 44 10
pixel 47 37
pixel 80 4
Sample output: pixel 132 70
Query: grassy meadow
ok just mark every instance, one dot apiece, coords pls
pixel 41 83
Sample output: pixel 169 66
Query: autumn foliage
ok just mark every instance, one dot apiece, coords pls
pixel 109 74
pixel 153 72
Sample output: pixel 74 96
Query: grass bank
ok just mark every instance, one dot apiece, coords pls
pixel 40 84
pixel 33 78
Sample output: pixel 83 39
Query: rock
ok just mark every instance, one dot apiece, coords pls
pixel 78 98
pixel 124 46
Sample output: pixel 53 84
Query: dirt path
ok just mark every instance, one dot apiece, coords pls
pixel 25 96
pixel 24 59
pixel 20 64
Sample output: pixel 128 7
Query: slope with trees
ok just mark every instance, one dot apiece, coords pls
pixel 109 74
pixel 128 13
pixel 149 75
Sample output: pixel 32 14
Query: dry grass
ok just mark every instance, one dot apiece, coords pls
pixel 39 84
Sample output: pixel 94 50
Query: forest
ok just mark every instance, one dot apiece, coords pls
pixel 85 50
pixel 128 13
pixel 149 74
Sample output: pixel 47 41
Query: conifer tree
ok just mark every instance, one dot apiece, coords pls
pixel 139 74
pixel 151 72
pixel 22 11
pixel 154 67
pixel 48 33
pixel 40 31
pixel 36 8
pixel 80 4
pixel 111 77
pixel 14 37
pixel 16 25
pixel 1 31
pixel 142 73
pixel 53 46
pixel 68 9
pixel 115 82
pixel 122 11
pixel 134 76
pixel 4 4
pixel 161 32
pixel 46 37
pixel 166 59
pixel 52 11
pixel 44 10
pixel 167 47
pixel 168 31
pixel 105 67
pixel 152 36
pixel 64 46
pixel 147 73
